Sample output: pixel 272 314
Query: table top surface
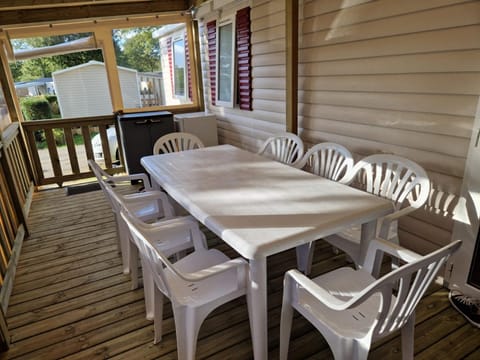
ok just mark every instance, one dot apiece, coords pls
pixel 258 206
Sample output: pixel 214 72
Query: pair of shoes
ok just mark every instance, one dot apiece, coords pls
pixel 467 306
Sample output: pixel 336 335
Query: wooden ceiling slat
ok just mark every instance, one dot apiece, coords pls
pixel 37 12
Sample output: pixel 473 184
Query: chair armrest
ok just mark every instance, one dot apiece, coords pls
pixel 214 270
pixel 295 276
pixel 387 220
pixel 177 226
pixel 378 247
pixel 123 178
pixel 151 195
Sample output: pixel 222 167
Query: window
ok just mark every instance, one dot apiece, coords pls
pixel 229 61
pixel 61 76
pixel 179 69
pixel 225 64
pixel 174 57
pixel 123 64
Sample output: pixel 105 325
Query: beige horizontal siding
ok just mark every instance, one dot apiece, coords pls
pixel 370 10
pixel 363 24
pixel 452 105
pixel 436 123
pixel 433 83
pixel 439 62
pixel 461 38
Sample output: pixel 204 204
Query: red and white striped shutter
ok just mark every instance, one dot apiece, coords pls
pixel 170 62
pixel 244 69
pixel 187 60
pixel 212 58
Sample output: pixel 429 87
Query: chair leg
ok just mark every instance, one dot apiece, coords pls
pixel 349 348
pixel 408 333
pixel 124 253
pixel 186 332
pixel 305 257
pixel 286 319
pixel 149 289
pixel 157 315
pixel 133 263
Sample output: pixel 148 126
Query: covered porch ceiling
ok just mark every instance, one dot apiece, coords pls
pixel 14 12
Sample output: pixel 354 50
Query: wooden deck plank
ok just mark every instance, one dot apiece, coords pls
pixel 71 300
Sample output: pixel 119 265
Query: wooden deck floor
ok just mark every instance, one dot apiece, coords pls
pixel 71 300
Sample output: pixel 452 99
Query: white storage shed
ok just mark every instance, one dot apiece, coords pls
pixel 82 90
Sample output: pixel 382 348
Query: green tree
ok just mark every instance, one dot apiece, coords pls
pixel 138 49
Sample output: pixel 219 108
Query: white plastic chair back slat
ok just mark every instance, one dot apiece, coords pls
pixel 175 142
pixel 392 177
pixel 329 160
pixel 286 148
pixel 351 308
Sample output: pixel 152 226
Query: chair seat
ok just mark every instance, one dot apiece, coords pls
pixel 349 239
pixel 344 284
pixel 145 210
pixel 206 290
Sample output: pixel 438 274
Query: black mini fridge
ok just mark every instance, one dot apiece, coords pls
pixel 138 133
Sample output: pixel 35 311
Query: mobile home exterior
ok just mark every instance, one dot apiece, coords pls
pixel 82 90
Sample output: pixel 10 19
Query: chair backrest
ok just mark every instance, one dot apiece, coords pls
pixel 99 173
pixel 101 176
pixel 176 141
pixel 286 148
pixel 153 258
pixel 402 289
pixel 392 177
pixel 329 160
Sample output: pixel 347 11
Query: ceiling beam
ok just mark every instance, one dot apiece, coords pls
pixel 55 12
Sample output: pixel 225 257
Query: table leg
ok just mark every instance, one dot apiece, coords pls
pixel 369 231
pixel 257 298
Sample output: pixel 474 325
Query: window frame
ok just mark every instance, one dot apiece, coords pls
pixel 175 38
pixel 102 32
pixel 230 103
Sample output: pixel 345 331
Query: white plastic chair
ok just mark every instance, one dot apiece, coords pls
pixel 286 148
pixel 170 247
pixel 176 141
pixel 100 174
pixel 351 308
pixel 329 160
pixel 195 285
pixel 392 177
pixel 149 206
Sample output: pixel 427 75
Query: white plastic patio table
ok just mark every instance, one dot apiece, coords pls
pixel 261 207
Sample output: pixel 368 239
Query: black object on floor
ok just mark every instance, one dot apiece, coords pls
pixel 467 306
pixel 80 189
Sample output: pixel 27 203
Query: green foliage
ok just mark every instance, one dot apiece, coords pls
pixel 44 67
pixel 35 108
pixel 53 101
pixel 137 49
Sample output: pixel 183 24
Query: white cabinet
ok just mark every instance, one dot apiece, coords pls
pixel 463 271
pixel 202 124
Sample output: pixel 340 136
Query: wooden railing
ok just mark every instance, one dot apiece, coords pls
pixel 16 188
pixel 60 163
pixel 17 166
